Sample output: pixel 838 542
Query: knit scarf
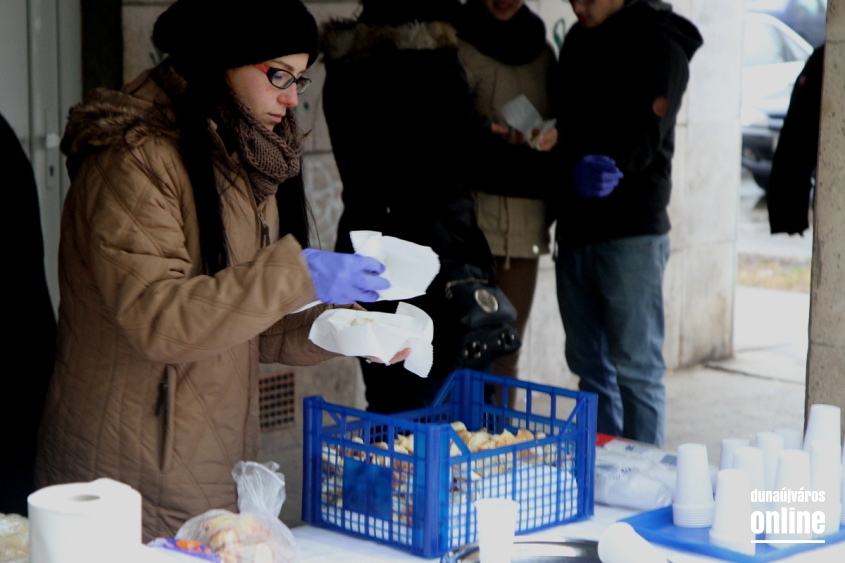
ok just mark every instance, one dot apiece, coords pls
pixel 515 42
pixel 269 157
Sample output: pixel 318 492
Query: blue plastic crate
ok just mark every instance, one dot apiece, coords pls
pixel 423 502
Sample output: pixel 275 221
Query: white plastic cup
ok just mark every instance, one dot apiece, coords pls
pixel 750 460
pixel 496 519
pixel 771 444
pixel 620 543
pixel 728 447
pixel 793 474
pixel 694 504
pixel 731 521
pixel 793 439
pixel 823 424
pixel 826 476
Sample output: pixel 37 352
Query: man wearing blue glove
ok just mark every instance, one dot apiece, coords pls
pixel 625 66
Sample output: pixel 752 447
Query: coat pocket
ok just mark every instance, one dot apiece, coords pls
pixel 164 412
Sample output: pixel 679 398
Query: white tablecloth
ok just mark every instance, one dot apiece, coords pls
pixel 322 546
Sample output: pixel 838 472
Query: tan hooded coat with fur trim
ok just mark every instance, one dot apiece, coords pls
pixel 156 379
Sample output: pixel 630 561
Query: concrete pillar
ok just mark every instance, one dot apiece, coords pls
pixel 826 361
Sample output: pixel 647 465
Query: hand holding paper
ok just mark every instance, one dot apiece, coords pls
pixel 410 268
pixel 521 114
pixel 342 279
pixel 378 335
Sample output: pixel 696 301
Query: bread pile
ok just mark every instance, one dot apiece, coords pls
pixel 14 537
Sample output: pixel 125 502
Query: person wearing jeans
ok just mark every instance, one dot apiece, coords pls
pixel 611 299
pixel 625 66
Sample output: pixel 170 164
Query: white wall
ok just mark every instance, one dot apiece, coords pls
pixel 41 70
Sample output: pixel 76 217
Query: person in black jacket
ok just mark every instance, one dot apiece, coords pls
pixel 32 341
pixel 410 146
pixel 791 182
pixel 625 66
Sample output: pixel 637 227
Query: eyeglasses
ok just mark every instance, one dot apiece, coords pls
pixel 282 79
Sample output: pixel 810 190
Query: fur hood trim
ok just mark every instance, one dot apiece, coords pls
pixel 105 119
pixel 349 38
pixel 127 119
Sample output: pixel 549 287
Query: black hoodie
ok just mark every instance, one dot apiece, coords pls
pixel 624 83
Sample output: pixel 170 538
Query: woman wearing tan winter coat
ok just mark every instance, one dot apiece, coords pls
pixel 502 46
pixel 182 261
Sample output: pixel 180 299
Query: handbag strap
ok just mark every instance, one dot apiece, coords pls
pixel 450 284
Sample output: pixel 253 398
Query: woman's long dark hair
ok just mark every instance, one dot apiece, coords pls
pixel 205 91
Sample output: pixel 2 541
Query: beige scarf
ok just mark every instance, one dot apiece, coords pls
pixel 269 157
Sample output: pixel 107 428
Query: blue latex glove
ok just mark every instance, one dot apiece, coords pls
pixel 596 175
pixel 341 279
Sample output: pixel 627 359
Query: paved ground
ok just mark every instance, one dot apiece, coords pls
pixel 761 388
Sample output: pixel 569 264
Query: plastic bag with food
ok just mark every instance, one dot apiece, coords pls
pixel 14 538
pixel 255 535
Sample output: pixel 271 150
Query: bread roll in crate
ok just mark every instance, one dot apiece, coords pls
pixel 409 480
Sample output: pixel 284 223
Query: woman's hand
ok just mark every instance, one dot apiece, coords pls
pixel 401 356
pixel 340 279
pixel 548 140
pixel 499 130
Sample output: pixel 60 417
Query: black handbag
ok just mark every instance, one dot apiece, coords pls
pixel 485 311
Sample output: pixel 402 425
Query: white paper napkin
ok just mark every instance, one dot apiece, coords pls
pixel 620 543
pixel 381 335
pixel 409 267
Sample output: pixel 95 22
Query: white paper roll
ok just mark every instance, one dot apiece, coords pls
pixel 93 522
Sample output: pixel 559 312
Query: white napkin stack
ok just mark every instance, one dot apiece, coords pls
pixel 380 335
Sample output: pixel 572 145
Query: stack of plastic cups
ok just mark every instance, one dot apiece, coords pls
pixel 823 424
pixel 731 528
pixel 793 474
pixel 750 460
pixel 826 476
pixel 793 439
pixel 694 504
pixel 728 447
pixel 772 445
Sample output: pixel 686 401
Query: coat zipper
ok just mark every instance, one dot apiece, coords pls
pixel 161 402
pixel 265 230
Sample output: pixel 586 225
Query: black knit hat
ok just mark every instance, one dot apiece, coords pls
pixel 222 34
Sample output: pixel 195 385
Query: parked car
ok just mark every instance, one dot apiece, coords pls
pixel 774 56
pixel 806 17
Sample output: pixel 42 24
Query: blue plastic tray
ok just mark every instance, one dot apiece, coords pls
pixel 656 526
